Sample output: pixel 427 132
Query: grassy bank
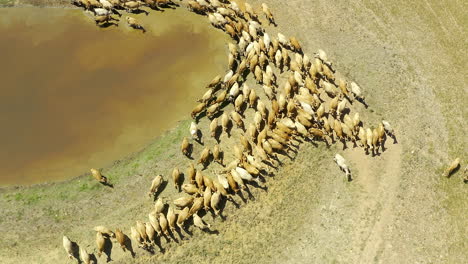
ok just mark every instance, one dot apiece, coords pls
pixel 38 3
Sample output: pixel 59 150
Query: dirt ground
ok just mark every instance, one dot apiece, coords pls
pixel 410 59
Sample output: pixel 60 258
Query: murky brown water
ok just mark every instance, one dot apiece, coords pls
pixel 74 96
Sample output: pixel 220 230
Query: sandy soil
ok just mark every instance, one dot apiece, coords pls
pixel 409 57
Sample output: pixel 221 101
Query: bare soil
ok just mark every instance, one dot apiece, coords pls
pixel 410 59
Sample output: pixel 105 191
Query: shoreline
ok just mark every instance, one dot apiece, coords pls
pixel 39 4
pixel 126 158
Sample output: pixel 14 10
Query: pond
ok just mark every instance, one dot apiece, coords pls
pixel 74 96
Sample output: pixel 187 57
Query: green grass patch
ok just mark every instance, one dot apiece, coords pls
pixel 53 213
pixel 27 198
pixel 6 3
pixel 74 189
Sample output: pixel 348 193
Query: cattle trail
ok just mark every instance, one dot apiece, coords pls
pixel 389 179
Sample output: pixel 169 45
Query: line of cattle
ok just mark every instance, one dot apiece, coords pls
pixel 311 105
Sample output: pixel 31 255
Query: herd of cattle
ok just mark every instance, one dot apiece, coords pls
pixel 296 98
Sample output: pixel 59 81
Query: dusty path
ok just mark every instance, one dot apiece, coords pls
pixel 409 58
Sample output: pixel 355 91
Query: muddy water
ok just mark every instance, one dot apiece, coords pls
pixel 74 96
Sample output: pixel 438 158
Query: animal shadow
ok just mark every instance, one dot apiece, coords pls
pixel 108 24
pixel 93 258
pixel 160 190
pixel 108 249
pixel 128 245
pixel 75 251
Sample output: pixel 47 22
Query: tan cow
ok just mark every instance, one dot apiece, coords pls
pixel 207 198
pixel 348 121
pixel 100 242
pixel 215 82
pixel 317 133
pixel 329 89
pixel 217 154
pixel 375 139
pixel 85 257
pixel 199 179
pixel 356 121
pixel 343 87
pixel 215 199
pixel 198 109
pixel 237 178
pixel 171 218
pixel 207 96
pixel 237 119
pixel 208 182
pixel 141 229
pixel 120 237
pixel 338 129
pixel 269 16
pixel 295 44
pixel 252 98
pixel 100 20
pixel 225 122
pixel 333 105
pixel 155 184
pixel 99 177
pixel 104 230
pixel 326 125
pixel 133 22
pixel 452 168
pixel 164 224
pixel 221 97
pixel 68 246
pixel 212 110
pixel 190 188
pixel 191 172
pixel 347 131
pixel 369 139
pixel 250 11
pixel 362 137
pixel 246 144
pixel 159 205
pixel 196 206
pixel 328 73
pixel 204 157
pixel 261 136
pixel 232 183
pixel 182 216
pixel 185 147
pixel 341 107
pixel 238 103
pixel 176 178
pixel 214 127
pixel 150 232
pixel 320 111
pixel 136 236
pixel 154 221
pixel 183 201
pixel 196 7
pixel 356 90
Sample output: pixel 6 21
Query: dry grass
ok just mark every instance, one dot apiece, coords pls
pixel 409 59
